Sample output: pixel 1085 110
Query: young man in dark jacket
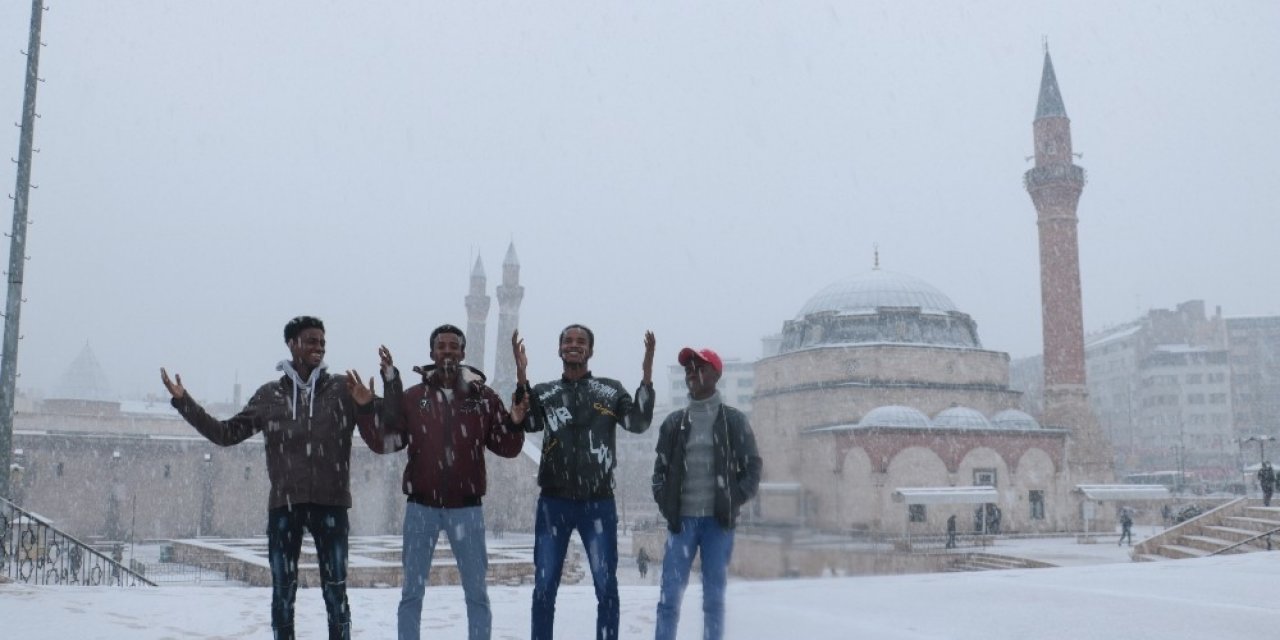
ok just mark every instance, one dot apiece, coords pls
pixel 306 419
pixel 706 468
pixel 578 416
pixel 446 422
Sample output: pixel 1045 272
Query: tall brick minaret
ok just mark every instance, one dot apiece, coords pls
pixel 477 316
pixel 1055 184
pixel 510 293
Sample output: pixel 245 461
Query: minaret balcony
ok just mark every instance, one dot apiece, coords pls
pixel 1054 175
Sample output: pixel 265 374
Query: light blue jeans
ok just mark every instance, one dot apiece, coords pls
pixel 716 544
pixel 465 528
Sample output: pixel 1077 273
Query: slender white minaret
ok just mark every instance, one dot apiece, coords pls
pixel 477 316
pixel 510 293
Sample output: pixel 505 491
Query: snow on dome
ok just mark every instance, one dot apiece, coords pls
pixel 863 294
pixel 895 416
pixel 1014 419
pixel 961 418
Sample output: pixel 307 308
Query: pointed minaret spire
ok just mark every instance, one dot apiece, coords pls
pixel 510 294
pixel 477 316
pixel 875 265
pixel 1050 104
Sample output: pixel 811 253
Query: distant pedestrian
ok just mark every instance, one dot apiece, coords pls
pixel 1126 528
pixel 951 532
pixel 642 562
pixel 1266 480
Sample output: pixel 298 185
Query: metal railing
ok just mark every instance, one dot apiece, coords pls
pixel 1265 534
pixel 34 552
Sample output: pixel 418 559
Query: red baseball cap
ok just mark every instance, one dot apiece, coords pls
pixel 706 355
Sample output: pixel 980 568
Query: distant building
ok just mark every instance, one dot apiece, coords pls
pixel 882 383
pixel 1254 347
pixel 1178 389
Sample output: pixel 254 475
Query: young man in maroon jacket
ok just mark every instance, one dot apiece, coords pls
pixel 446 422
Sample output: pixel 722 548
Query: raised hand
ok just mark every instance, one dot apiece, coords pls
pixel 359 392
pixel 174 386
pixel 384 359
pixel 522 360
pixel 650 343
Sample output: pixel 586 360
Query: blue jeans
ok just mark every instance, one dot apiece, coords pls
pixel 716 544
pixel 596 522
pixel 329 529
pixel 465 529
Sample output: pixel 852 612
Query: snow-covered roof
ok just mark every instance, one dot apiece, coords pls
pixel 895 416
pixel 1113 335
pixel 945 495
pixel 961 418
pixel 1014 419
pixel 864 293
pixel 1123 491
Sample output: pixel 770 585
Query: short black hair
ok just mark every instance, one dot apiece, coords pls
pixel 591 337
pixel 300 324
pixel 447 328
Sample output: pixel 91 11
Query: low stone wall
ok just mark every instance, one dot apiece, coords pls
pixel 371 562
pixel 760 558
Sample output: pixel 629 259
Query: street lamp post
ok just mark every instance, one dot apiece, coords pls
pixel 1262 445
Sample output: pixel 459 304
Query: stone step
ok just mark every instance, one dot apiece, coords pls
pixel 1204 543
pixel 1258 525
pixel 1147 557
pixel 1177 551
pixel 1235 535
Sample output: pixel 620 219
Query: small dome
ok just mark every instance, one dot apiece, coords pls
pixel 863 294
pixel 961 418
pixel 1014 419
pixel 895 416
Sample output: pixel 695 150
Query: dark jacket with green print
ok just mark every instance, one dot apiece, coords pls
pixel 579 420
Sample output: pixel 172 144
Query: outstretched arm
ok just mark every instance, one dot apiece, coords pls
pixel 220 432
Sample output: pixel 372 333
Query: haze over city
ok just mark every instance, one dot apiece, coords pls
pixel 208 171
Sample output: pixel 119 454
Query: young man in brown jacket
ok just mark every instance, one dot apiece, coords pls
pixel 306 419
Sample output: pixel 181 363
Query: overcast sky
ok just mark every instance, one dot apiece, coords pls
pixel 210 169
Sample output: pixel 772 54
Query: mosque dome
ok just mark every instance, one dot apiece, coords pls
pixel 1014 419
pixel 864 293
pixel 895 416
pixel 879 307
pixel 961 418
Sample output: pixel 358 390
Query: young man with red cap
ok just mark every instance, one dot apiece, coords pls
pixel 707 468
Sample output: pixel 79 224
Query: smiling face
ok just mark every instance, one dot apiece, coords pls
pixel 575 347
pixel 307 349
pixel 700 378
pixel 447 351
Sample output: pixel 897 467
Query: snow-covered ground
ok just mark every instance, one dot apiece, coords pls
pixel 1096 594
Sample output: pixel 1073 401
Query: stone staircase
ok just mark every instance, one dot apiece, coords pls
pixel 1240 526
pixel 992 562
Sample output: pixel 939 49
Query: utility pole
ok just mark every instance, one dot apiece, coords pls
pixel 18 250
